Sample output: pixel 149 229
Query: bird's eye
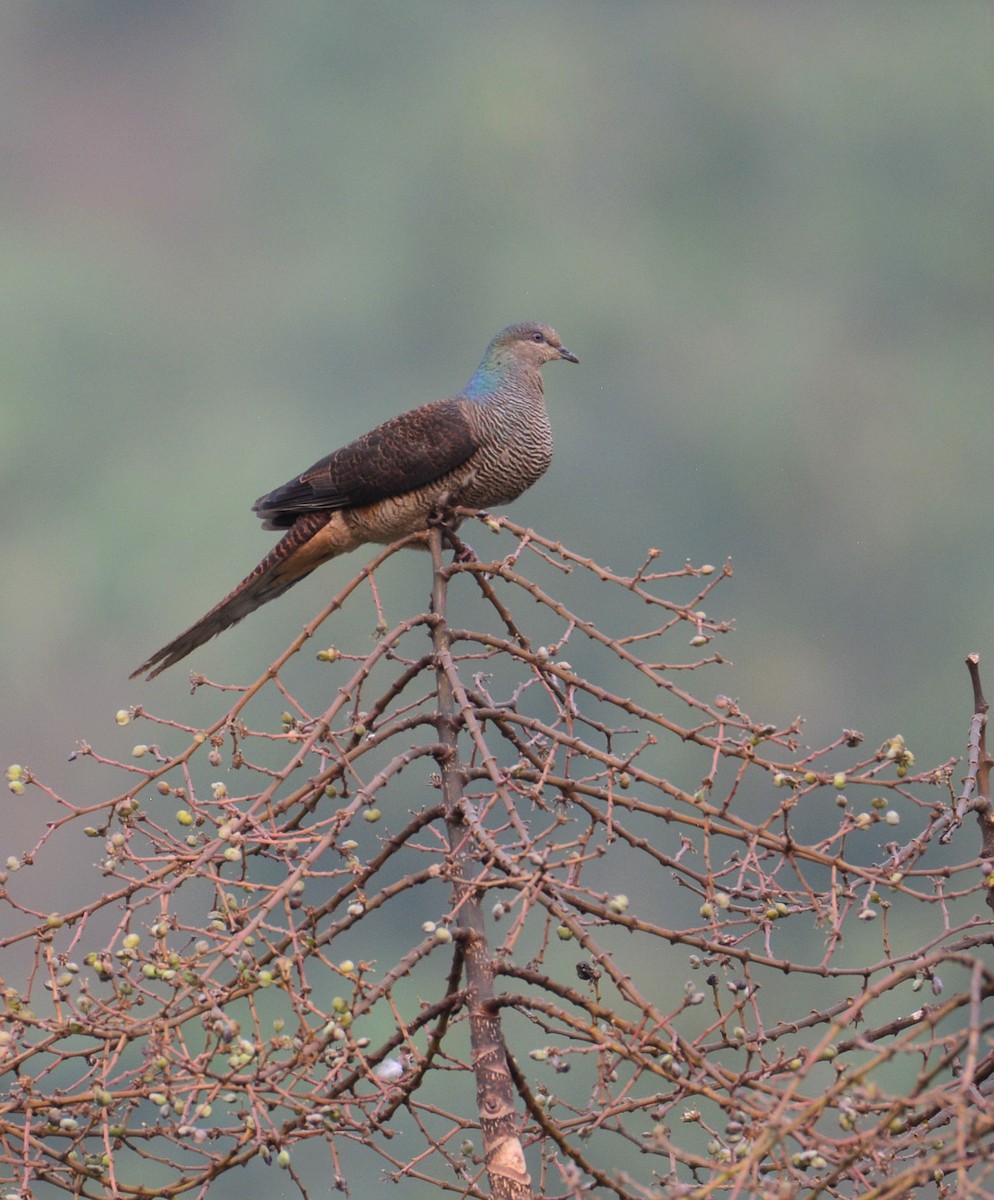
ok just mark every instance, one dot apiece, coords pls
pixel 538 337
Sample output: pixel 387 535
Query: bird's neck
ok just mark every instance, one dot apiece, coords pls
pixel 490 380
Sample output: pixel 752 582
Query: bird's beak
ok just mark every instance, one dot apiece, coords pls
pixel 567 354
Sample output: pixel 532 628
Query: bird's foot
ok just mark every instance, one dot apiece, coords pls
pixel 466 554
pixel 444 518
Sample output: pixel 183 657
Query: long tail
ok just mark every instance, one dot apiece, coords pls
pixel 290 560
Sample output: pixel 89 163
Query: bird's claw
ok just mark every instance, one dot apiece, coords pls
pixel 442 517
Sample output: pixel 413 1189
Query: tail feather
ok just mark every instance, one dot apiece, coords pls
pixel 289 561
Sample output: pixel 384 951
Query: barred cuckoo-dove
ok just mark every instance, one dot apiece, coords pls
pixel 480 448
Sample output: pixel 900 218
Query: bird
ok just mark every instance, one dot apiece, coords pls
pixel 480 448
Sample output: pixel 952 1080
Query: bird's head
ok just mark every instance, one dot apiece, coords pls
pixel 518 350
pixel 527 345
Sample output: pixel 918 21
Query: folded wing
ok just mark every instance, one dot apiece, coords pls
pixel 403 454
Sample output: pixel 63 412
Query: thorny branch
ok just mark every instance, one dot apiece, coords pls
pixel 496 906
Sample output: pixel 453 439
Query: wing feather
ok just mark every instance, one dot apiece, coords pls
pixel 407 452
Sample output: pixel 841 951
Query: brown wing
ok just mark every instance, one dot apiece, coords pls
pixel 404 453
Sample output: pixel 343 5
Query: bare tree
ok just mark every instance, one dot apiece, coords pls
pixel 501 907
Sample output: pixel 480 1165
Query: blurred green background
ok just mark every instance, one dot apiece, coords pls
pixel 236 235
